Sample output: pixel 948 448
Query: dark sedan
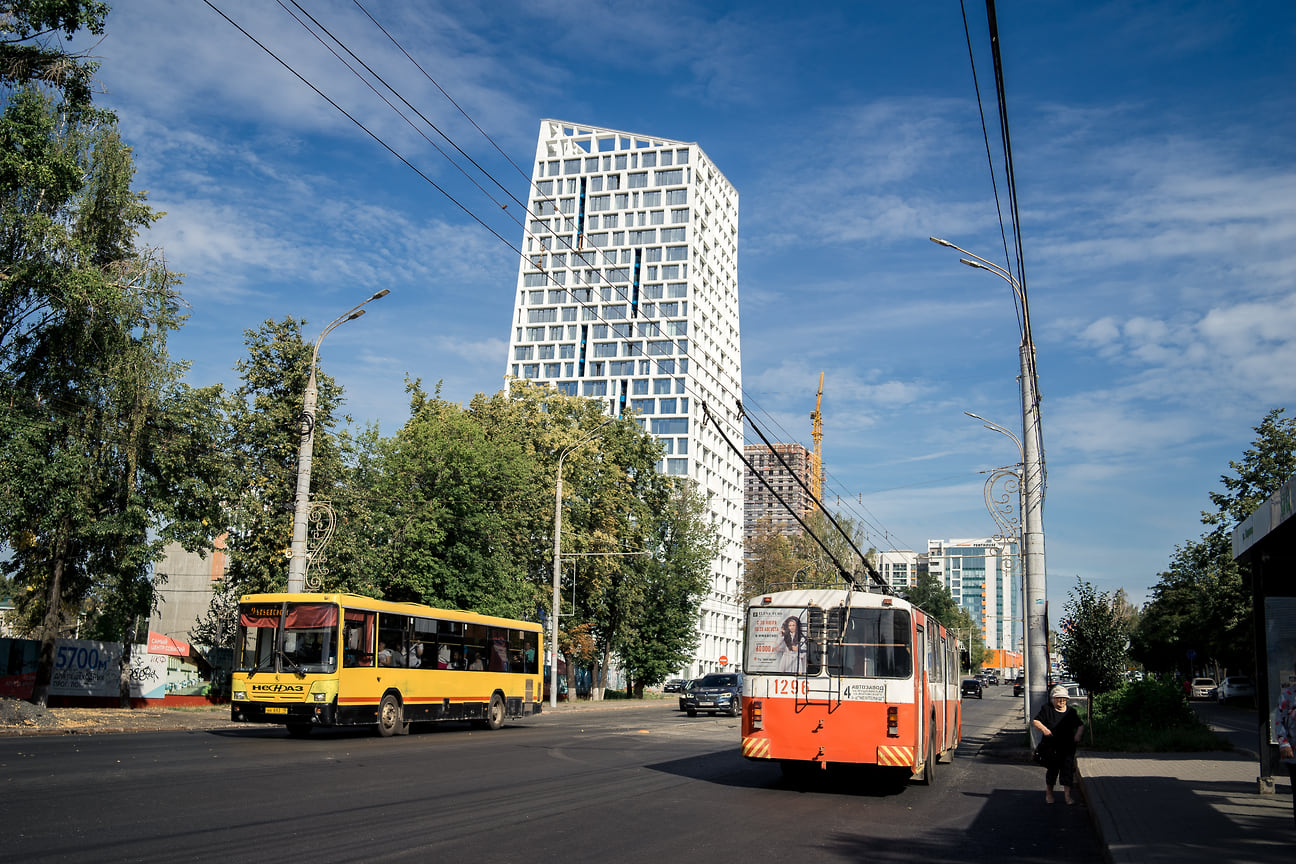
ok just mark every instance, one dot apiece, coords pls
pixel 715 692
pixel 971 687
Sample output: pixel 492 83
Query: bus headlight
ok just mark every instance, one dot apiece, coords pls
pixel 319 697
pixel 239 695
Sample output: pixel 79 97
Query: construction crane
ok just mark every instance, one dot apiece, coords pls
pixel 816 459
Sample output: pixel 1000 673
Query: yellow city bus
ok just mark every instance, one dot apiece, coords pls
pixel 307 660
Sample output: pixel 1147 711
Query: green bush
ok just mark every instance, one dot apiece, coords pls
pixel 1149 717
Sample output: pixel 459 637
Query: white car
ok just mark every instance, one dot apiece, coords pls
pixel 1202 688
pixel 1236 687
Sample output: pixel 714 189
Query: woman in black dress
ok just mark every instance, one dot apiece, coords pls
pixel 1061 727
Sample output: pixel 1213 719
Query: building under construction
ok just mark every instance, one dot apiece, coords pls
pixel 760 504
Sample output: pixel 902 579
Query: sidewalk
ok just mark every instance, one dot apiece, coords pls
pixel 1186 807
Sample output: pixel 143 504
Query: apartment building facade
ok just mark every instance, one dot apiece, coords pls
pixel 627 292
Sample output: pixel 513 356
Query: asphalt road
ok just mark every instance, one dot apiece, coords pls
pixel 640 784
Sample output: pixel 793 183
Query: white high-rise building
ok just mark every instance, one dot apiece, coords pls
pixel 628 292
pixel 983 576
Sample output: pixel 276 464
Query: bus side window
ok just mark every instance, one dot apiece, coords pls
pixel 450 645
pixel 475 647
pixel 357 638
pixel 422 652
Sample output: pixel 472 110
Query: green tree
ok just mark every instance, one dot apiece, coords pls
pixel 455 500
pixel 662 636
pixel 1203 603
pixel 834 550
pixel 770 562
pixel 30 51
pixel 266 433
pixel 96 415
pixel 1094 641
pixel 933 597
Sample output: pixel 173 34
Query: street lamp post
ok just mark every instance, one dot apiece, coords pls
pixel 301 513
pixel 557 564
pixel 1032 495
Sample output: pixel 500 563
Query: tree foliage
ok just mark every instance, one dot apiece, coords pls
pixel 265 436
pixel 98 430
pixel 30 51
pixel 934 598
pixel 1203 603
pixel 1094 642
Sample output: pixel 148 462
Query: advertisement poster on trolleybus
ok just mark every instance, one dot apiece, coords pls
pixel 776 640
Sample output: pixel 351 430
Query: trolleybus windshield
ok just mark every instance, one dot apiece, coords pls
pixel 874 643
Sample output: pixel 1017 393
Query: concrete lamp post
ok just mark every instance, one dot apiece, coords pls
pixel 1032 499
pixel 301 513
pixel 557 563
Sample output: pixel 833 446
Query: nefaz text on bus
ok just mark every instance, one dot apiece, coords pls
pixel 308 660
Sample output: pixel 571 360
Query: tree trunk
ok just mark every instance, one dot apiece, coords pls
pixel 571 677
pixel 124 668
pixel 53 617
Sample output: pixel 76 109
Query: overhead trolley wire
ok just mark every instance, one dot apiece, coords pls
pixel 590 258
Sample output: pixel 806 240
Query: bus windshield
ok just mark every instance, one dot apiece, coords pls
pixel 875 643
pixel 288 637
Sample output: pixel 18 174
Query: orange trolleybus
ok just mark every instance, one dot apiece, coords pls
pixel 848 676
pixel 307 660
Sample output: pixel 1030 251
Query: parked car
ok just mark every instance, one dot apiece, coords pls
pixel 719 691
pixel 1202 688
pixel 1076 695
pixel 1235 687
pixel 971 687
pixel 684 691
pixel 673 685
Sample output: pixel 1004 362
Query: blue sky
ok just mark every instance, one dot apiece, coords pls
pixel 1155 171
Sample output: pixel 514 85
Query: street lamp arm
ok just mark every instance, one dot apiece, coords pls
pixel 997 428
pixel 997 270
pixel 350 315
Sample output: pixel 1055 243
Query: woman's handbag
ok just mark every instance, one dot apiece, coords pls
pixel 1040 756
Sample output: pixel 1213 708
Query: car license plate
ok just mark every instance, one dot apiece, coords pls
pixel 706 704
pixel 273 710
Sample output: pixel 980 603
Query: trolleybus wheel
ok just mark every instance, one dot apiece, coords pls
pixel 299 730
pixel 929 771
pixel 389 716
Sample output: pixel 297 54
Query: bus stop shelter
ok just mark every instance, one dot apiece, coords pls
pixel 1264 544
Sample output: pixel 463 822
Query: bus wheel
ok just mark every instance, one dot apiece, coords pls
pixel 299 730
pixel 495 713
pixel 389 716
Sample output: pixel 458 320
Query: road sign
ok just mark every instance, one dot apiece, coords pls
pixel 724 659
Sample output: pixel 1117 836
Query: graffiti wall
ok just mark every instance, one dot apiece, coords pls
pixel 81 668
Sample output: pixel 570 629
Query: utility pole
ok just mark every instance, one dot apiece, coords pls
pixel 1034 577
